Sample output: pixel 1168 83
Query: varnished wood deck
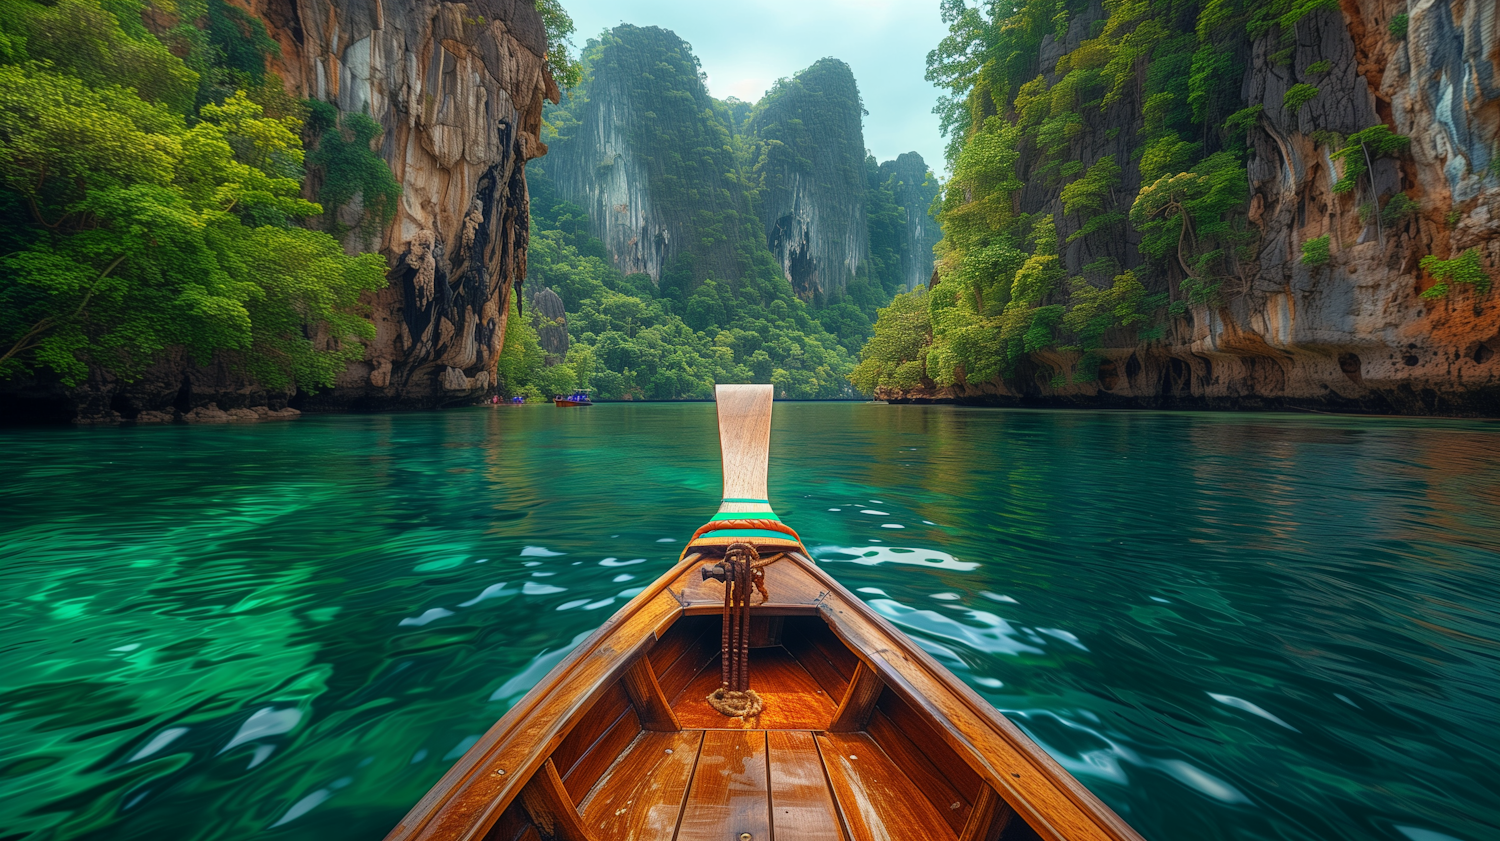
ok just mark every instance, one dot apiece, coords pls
pixel 789 784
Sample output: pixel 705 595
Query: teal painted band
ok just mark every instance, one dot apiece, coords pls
pixel 763 533
pixel 745 515
pixel 758 501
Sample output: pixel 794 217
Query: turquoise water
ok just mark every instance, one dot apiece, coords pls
pixel 1227 626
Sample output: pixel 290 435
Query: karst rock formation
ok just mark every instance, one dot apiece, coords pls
pixel 1354 334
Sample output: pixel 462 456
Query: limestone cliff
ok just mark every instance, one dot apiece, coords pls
pixel 915 188
pixel 1350 332
pixel 810 139
pixel 644 149
pixel 459 89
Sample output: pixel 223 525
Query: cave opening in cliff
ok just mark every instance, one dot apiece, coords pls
pixel 793 242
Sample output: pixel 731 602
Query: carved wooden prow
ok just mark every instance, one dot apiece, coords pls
pixel 745 443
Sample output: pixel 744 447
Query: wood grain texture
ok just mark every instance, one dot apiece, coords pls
pixel 1044 795
pixel 928 773
pixel 612 703
pixel 730 794
pixel 921 732
pixel 601 754
pixel 550 809
pixel 791 591
pixel 641 797
pixel 858 702
pixel 802 807
pixel 647 698
pixel 989 818
pixel 877 800
pixel 703 650
pixel 470 797
pixel 744 438
pixel 793 700
pixel 811 658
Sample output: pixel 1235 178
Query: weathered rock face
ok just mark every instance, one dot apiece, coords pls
pixel 915 188
pixel 645 151
pixel 809 129
pixel 1355 334
pixel 551 323
pixel 458 88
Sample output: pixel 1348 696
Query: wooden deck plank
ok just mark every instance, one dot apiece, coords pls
pixel 802 807
pixel 878 802
pixel 730 793
pixel 641 796
pixel 793 700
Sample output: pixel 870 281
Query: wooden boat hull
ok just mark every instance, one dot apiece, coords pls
pixel 572 403
pixel 863 734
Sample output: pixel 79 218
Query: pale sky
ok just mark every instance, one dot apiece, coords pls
pixel 745 45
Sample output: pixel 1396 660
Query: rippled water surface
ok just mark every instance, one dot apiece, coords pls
pixel 1243 627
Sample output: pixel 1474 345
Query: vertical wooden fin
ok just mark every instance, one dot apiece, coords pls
pixel 859 701
pixel 646 696
pixel 744 438
pixel 989 817
pixel 550 808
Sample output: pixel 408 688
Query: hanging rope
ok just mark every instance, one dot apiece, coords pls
pixel 741 570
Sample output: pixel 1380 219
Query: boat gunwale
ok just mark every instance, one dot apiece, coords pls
pixel 419 822
pixel 426 818
pixel 1097 811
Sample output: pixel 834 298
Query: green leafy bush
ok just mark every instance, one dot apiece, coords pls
pixel 1297 96
pixel 1320 66
pixel 1464 269
pixel 134 220
pixel 1398 26
pixel 1315 253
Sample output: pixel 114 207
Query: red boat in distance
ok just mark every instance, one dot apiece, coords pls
pixel 577 398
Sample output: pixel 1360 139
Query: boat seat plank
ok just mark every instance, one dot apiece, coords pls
pixel 878 802
pixel 730 793
pixel 802 807
pixel 641 796
pixel 789 589
pixel 793 700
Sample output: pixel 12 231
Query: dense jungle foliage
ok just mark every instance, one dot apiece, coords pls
pixel 723 309
pixel 151 197
pixel 1137 134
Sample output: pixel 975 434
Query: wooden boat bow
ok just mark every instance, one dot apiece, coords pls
pixel 863 734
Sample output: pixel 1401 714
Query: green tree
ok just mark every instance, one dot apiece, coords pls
pixel 135 222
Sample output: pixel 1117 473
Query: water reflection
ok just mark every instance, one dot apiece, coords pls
pixel 1227 626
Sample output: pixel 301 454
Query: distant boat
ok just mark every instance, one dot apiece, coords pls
pixel 745 694
pixel 577 398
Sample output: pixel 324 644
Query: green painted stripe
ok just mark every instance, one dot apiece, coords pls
pixel 760 501
pixel 747 533
pixel 745 515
